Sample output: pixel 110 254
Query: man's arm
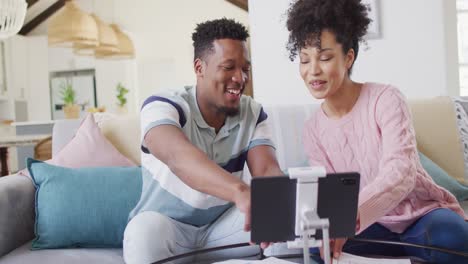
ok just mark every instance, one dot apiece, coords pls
pixel 169 144
pixel 262 161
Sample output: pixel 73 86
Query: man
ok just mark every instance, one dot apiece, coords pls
pixel 195 143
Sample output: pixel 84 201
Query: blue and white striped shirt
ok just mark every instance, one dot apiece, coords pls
pixel 164 192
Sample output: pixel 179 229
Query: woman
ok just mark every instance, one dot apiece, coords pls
pixel 367 127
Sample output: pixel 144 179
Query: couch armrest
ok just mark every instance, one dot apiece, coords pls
pixel 16 212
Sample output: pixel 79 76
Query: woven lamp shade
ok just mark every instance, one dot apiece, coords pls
pixel 72 25
pixel 107 40
pixel 125 47
pixel 12 14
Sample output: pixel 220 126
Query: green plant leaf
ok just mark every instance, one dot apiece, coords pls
pixel 67 93
pixel 121 92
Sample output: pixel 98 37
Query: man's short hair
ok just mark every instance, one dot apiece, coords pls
pixel 209 31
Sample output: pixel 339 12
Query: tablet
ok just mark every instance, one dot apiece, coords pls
pixel 273 206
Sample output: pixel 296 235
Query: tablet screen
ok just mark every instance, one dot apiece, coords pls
pixel 273 206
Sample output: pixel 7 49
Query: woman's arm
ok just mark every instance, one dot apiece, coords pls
pixel 397 167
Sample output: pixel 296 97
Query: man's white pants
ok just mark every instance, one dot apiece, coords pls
pixel 151 236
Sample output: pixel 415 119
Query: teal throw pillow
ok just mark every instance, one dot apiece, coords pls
pixel 441 177
pixel 85 207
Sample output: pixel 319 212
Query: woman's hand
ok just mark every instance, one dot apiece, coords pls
pixel 336 245
pixel 358 222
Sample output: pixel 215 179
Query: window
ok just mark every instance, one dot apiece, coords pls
pixel 83 83
pixel 3 87
pixel 462 15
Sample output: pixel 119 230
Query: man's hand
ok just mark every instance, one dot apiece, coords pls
pixel 242 202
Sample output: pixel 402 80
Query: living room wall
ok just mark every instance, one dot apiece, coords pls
pixel 161 32
pixel 416 51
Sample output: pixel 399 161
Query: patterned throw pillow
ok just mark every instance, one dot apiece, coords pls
pixel 461 111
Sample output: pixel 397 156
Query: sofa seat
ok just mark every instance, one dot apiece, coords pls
pixel 124 134
pixel 23 255
pixel 464 205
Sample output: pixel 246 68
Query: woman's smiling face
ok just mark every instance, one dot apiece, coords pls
pixel 325 68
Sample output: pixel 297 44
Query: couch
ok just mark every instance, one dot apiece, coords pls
pixel 435 124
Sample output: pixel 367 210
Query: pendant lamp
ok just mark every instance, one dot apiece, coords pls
pixel 12 14
pixel 107 40
pixel 124 46
pixel 72 26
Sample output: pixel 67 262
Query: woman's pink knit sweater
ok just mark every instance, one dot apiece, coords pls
pixel 376 138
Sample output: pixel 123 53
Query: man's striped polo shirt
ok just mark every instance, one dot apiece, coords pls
pixel 163 191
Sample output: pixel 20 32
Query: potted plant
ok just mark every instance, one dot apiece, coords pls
pixel 70 108
pixel 121 98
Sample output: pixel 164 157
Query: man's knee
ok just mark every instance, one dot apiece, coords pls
pixel 147 238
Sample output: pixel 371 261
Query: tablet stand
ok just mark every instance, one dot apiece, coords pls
pixel 307 219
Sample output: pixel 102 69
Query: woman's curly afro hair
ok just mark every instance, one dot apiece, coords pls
pixel 347 19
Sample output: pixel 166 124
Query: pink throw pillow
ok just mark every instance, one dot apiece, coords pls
pixel 88 148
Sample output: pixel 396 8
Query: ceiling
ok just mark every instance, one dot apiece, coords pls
pixel 31 2
pixel 39 11
pixel 240 3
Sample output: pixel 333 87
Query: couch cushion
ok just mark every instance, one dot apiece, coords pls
pixel 23 255
pixel 63 132
pixel 16 212
pixel 124 133
pixel 464 205
pixel 443 179
pixel 86 207
pixel 461 112
pixel 287 126
pixel 437 135
pixel 88 148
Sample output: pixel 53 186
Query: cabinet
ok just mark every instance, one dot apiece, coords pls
pixel 15 78
pixel 16 54
pixel 26 94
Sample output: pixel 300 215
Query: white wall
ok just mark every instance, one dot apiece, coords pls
pixel 108 75
pixel 451 48
pixel 38 92
pixel 415 51
pixel 27 96
pixel 161 31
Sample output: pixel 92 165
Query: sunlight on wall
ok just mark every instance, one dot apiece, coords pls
pixel 462 15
